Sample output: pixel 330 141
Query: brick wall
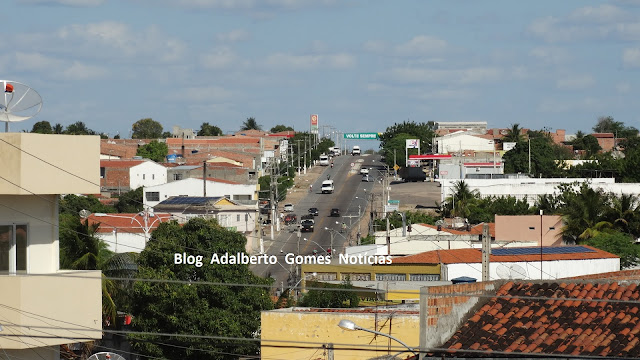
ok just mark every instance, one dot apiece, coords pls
pixel 444 308
pixel 114 178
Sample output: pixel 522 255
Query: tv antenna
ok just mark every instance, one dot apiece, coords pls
pixel 18 103
pixel 105 356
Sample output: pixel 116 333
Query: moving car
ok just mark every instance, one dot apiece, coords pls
pixel 313 211
pixel 290 219
pixel 288 208
pixel 355 151
pixel 327 187
pixel 324 160
pixel 335 212
pixel 307 225
pixel 366 178
pixel 364 170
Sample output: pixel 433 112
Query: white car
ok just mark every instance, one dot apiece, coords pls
pixel 364 171
pixel 288 208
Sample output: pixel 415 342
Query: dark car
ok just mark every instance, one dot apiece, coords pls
pixel 313 211
pixel 306 225
pixel 335 212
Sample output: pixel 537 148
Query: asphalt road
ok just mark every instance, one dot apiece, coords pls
pixel 350 197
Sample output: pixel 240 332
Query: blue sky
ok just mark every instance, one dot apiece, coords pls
pixel 360 65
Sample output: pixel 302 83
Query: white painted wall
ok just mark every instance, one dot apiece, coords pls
pixel 194 187
pixel 147 173
pixel 235 219
pixel 461 141
pixel 122 242
pixel 529 189
pixel 550 269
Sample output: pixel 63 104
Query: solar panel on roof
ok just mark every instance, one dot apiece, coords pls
pixel 188 200
pixel 545 250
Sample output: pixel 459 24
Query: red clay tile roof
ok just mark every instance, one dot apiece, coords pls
pixel 603 135
pixel 222 181
pixel 557 318
pixel 220 140
pixel 475 230
pixel 368 310
pixel 120 163
pixel 124 223
pixel 457 256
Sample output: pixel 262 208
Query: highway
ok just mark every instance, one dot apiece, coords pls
pixel 350 196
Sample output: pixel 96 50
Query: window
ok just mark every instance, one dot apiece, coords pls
pixel 102 172
pixel 13 248
pixel 391 277
pixel 153 196
pixel 143 175
pixel 153 176
pixel 238 217
pixel 424 277
pixel 177 176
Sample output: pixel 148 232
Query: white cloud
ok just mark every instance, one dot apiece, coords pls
pixel 559 106
pixel 605 13
pixel 631 57
pixel 203 94
pixel 289 61
pixel 623 88
pixel 219 58
pixel 421 45
pixel 551 55
pixel 77 3
pixel 374 46
pixel 250 4
pixel 79 71
pixel 35 61
pixel 234 36
pixel 459 76
pixel 575 82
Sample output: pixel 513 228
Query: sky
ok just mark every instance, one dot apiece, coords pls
pixel 360 65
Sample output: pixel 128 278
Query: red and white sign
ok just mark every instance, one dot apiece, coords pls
pixel 444 172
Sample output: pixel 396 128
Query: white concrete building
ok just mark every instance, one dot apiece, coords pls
pixel 153 195
pixel 526 263
pixel 125 232
pixel 529 188
pixel 35 292
pixel 463 140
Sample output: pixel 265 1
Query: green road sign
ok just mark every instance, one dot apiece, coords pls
pixel 393 202
pixel 361 136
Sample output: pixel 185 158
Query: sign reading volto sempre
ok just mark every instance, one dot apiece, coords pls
pixel 361 136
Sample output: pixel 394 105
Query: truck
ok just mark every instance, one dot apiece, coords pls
pixel 355 151
pixel 412 174
pixel 327 187
pixel 324 160
pixel 335 151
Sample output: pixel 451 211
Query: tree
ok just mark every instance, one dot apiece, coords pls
pixel 589 143
pixel 606 124
pixel 72 204
pixel 250 124
pixel 583 210
pixel 397 144
pixel 280 128
pixel 58 129
pixel 544 154
pixel 422 131
pixel 146 129
pixel 620 244
pixel 79 128
pixel 42 127
pixel 193 307
pixel 209 130
pixel 130 202
pixel 514 134
pixel 338 298
pixel 154 150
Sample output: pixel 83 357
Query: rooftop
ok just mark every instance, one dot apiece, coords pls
pixel 125 223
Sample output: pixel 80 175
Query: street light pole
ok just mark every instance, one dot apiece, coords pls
pixel 351 326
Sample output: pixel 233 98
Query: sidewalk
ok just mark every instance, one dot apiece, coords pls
pixel 301 183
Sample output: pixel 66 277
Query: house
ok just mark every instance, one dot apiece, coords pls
pixel 153 195
pixel 225 170
pixel 235 215
pixel 124 175
pixel 607 141
pixel 125 232
pixel 529 263
pixel 312 333
pixel 588 317
pixel 110 150
pixel 37 297
pixel 462 140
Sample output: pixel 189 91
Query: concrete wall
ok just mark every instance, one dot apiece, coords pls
pixel 54 301
pixel 122 242
pixel 458 142
pixel 527 228
pixel 550 269
pixel 442 313
pixel 313 329
pixel 147 174
pixel 194 187
pixel 78 155
pixel 38 213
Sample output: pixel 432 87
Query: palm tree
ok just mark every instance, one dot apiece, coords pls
pixel 461 198
pixel 624 213
pixel 584 213
pixel 513 134
pixel 250 124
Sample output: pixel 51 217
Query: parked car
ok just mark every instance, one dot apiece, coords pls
pixel 335 212
pixel 290 219
pixel 313 211
pixel 288 208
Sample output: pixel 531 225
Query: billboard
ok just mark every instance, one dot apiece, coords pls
pixel 314 123
pixel 413 144
pixel 361 136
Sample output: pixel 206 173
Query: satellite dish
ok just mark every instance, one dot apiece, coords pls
pixel 84 213
pixel 105 356
pixel 18 102
pixel 503 272
pixel 518 272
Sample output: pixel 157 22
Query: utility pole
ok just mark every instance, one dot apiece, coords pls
pixel 388 239
pixel 486 252
pixel 299 169
pixel 529 156
pixel 272 198
pixel 204 178
pixel 305 155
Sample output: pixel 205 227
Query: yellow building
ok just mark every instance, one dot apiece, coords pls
pixel 397 282
pixel 40 302
pixel 309 333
